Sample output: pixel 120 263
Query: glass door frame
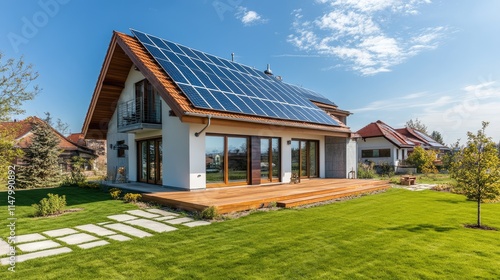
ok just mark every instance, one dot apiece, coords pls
pixel 226 182
pixel 157 179
pixel 307 158
pixel 271 169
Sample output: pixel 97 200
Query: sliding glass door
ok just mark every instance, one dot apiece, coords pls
pixel 270 169
pixel 305 158
pixel 226 159
pixel 150 161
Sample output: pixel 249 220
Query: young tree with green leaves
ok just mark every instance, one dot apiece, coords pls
pixel 15 80
pixel 436 135
pixel 41 158
pixel 477 169
pixel 417 125
pixel 423 160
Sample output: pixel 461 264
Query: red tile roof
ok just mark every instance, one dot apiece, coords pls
pixel 22 133
pixel 381 129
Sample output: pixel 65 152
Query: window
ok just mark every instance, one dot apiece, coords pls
pixel 270 159
pixel 376 153
pixel 226 159
pixel 148 104
pixel 120 150
pixel 305 158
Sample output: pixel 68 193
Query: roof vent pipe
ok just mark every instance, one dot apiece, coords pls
pixel 232 57
pixel 268 70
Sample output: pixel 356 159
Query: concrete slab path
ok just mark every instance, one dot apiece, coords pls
pixel 97 230
pixel 119 237
pixel 60 232
pixel 38 245
pixel 129 230
pixel 78 238
pixel 121 217
pixel 4 247
pixel 151 225
pixel 29 237
pixel 162 212
pixel 197 223
pixel 179 221
pixel 141 213
pixel 93 244
pixel 46 253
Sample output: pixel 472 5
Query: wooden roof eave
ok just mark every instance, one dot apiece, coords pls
pixel 299 127
pixel 98 86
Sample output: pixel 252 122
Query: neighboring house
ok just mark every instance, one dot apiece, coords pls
pixel 381 143
pixel 179 117
pixel 424 140
pixel 99 146
pixel 23 134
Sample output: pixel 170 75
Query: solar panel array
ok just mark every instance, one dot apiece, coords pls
pixel 222 85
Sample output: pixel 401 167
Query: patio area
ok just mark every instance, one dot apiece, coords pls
pixel 234 199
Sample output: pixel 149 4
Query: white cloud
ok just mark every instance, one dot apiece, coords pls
pixel 452 113
pixel 355 32
pixel 249 17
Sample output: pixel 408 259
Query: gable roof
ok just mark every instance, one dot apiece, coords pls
pixel 422 137
pixel 125 51
pixel 23 136
pixel 381 129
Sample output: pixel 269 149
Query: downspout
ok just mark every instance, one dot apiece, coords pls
pixel 197 134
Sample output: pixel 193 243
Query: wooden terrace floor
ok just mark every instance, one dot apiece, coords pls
pixel 234 199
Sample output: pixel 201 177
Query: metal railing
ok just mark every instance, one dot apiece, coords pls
pixel 136 111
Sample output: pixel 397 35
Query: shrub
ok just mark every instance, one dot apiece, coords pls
pixel 132 197
pixel 385 169
pixel 210 213
pixel 365 171
pixel 89 185
pixel 115 193
pixel 272 204
pixel 52 205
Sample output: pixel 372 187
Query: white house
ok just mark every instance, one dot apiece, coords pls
pixel 179 117
pixel 380 143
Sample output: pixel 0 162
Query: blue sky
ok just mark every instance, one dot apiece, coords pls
pixel 389 60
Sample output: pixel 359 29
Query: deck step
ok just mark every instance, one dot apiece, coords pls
pixel 328 196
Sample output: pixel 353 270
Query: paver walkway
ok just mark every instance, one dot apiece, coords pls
pixel 119 228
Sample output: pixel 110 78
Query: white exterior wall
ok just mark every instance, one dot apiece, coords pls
pixel 130 159
pixel 377 143
pixel 351 156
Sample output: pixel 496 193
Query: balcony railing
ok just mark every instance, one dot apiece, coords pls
pixel 136 114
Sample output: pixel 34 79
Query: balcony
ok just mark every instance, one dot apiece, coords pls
pixel 137 115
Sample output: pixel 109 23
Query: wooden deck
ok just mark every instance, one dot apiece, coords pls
pixel 250 197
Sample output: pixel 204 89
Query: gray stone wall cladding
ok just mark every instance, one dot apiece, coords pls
pixel 335 157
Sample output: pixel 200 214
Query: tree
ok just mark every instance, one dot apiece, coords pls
pixel 8 151
pixel 41 168
pixel 477 169
pixel 15 81
pixel 60 126
pixel 423 160
pixel 436 135
pixel 417 125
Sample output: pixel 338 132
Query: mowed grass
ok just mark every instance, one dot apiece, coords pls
pixel 393 235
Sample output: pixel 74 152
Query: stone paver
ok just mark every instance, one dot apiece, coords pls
pixel 418 187
pixel 119 237
pixel 197 223
pixel 39 254
pixel 162 212
pixel 104 223
pixel 129 230
pixel 38 245
pixel 165 218
pixel 141 213
pixel 4 247
pixel 122 217
pixel 29 237
pixel 151 225
pixel 60 232
pixel 93 244
pixel 97 230
pixel 78 238
pixel 179 221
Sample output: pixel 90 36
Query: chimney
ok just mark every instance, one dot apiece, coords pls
pixel 268 71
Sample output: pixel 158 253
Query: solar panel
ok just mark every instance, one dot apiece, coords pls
pixel 218 84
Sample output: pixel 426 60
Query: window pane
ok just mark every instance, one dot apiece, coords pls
pixel 264 158
pixel 237 153
pixel 295 157
pixel 152 161
pixel 303 158
pixel 144 161
pixel 214 159
pixel 276 158
pixel 160 161
pixel 385 153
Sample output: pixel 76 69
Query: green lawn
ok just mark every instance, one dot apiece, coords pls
pixel 394 235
